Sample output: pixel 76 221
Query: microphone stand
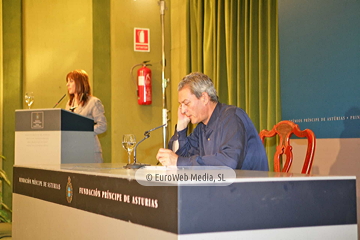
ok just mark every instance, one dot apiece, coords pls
pixel 59 100
pixel 136 165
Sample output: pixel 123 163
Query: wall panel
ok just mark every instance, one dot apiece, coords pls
pixel 127 115
pixel 57 38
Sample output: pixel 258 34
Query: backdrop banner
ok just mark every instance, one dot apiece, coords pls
pixel 320 66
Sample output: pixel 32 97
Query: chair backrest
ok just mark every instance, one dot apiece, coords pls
pixel 285 129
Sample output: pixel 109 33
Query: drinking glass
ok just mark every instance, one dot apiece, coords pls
pixel 29 98
pixel 128 144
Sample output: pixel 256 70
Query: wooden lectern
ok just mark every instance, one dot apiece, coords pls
pixel 53 136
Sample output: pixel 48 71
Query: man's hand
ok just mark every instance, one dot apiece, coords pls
pixel 183 120
pixel 167 157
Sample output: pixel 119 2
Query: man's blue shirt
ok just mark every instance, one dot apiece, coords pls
pixel 229 139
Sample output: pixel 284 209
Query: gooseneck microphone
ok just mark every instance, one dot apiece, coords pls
pixel 59 100
pixel 136 165
pixel 147 133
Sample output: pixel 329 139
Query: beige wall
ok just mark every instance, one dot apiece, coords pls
pixel 127 115
pixel 57 38
pixel 328 152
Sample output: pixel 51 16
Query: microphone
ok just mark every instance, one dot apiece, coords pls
pixel 148 132
pixel 136 165
pixel 59 100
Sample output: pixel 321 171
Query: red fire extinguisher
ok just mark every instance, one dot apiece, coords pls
pixel 144 84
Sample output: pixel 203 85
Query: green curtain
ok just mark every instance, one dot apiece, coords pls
pixel 235 42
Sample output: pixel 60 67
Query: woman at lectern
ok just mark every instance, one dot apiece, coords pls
pixel 82 102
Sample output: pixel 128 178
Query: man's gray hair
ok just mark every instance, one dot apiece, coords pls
pixel 199 83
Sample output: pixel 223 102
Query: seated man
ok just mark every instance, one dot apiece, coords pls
pixel 224 135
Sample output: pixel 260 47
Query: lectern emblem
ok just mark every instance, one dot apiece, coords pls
pixel 37 120
pixel 69 191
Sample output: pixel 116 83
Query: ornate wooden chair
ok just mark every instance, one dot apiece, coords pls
pixel 285 129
